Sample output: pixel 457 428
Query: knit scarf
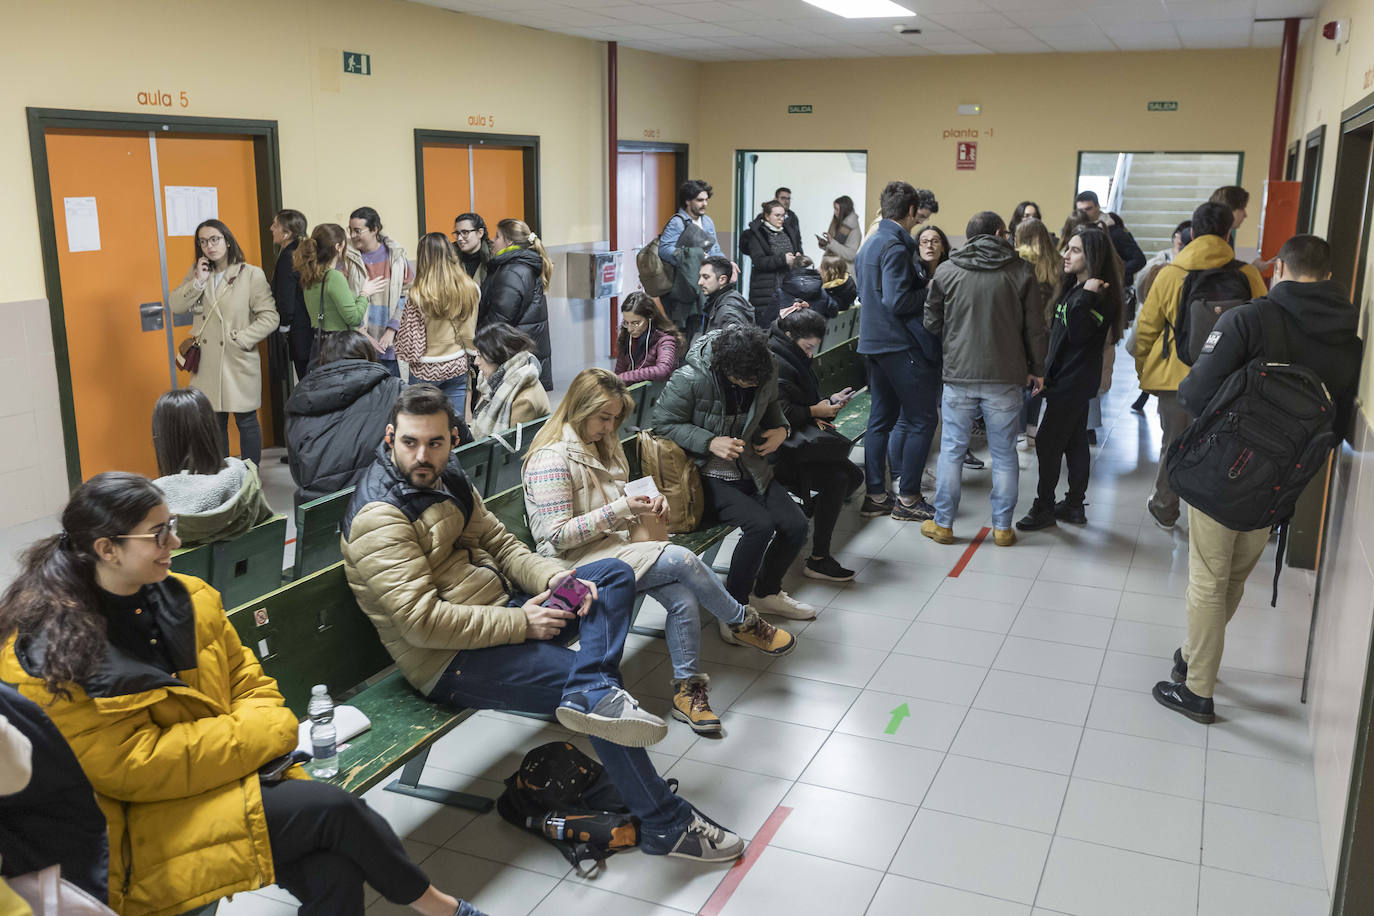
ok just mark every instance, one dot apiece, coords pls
pixel 496 394
pixel 771 227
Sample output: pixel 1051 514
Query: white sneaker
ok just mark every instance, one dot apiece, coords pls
pixel 783 605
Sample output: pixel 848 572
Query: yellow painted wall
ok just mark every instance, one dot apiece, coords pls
pixel 345 140
pixel 1039 111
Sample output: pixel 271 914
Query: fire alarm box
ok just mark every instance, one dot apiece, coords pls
pixel 594 274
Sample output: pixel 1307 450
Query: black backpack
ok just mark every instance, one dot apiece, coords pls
pixel 564 796
pixel 1205 296
pixel 1245 460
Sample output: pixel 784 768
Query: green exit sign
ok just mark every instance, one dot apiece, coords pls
pixel 357 63
pixel 799 109
pixel 1162 106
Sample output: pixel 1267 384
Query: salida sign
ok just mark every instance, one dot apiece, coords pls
pixel 966 156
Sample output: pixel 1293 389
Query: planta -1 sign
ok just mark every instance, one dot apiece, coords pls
pixel 799 109
pixel 1161 106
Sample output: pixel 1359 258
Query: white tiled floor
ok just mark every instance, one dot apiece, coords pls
pixel 1035 773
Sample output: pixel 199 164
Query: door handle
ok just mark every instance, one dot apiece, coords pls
pixel 150 316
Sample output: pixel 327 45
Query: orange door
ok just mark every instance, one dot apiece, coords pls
pixel 117 369
pixel 498 177
pixel 447 185
pixel 226 164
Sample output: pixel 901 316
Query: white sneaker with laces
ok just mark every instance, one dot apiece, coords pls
pixel 782 605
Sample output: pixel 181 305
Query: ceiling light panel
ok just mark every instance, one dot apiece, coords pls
pixel 862 9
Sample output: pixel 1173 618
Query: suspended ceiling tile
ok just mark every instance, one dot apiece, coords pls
pixel 1049 19
pixel 1184 10
pixel 643 15
pixel 961 22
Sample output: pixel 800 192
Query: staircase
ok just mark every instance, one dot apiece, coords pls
pixel 1161 190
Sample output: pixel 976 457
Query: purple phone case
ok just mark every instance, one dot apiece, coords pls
pixel 568 595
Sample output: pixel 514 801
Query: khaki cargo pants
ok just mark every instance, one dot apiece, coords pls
pixel 1219 561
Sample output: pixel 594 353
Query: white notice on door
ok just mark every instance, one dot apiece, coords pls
pixel 83 226
pixel 188 207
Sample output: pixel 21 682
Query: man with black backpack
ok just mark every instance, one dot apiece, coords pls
pixel 1174 323
pixel 1266 384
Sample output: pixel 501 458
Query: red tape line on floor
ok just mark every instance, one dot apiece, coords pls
pixel 968 554
pixel 741 868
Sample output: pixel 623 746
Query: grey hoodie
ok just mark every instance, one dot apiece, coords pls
pixel 985 305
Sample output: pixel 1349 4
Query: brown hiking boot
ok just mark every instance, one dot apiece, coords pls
pixel 691 705
pixel 759 634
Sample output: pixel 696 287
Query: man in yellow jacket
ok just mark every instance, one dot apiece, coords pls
pixel 1156 353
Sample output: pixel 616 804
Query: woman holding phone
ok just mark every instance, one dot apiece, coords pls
pixel 233 312
pixel 185 740
pixel 580 509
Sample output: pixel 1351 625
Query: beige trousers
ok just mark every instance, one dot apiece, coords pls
pixel 1219 561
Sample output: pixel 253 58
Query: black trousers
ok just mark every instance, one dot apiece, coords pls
pixel 326 843
pixel 250 435
pixel 1063 435
pixel 831 482
pixel 772 533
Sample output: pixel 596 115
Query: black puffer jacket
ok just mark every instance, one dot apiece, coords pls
pixel 767 267
pixel 797 389
pixel 334 421
pixel 804 284
pixel 514 293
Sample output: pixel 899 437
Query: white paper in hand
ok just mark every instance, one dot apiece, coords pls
pixel 644 486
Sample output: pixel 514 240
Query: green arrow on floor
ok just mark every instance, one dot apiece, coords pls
pixel 898 714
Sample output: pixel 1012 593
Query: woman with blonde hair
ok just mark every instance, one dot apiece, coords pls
pixel 575 496
pixel 1036 247
pixel 439 320
pixel 518 277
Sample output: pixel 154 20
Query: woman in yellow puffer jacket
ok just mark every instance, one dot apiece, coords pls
pixel 177 727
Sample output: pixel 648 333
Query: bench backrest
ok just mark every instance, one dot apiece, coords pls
pixel 475 458
pixel 509 508
pixel 251 563
pixel 194 561
pixel 319 525
pixel 507 464
pixel 309 632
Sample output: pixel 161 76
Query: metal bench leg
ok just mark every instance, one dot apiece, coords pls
pixel 643 631
pixel 409 784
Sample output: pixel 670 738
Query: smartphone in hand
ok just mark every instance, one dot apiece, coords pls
pixel 568 595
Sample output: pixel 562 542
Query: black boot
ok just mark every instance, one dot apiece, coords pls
pixel 1039 516
pixel 1180 672
pixel 1139 405
pixel 1071 512
pixel 1180 699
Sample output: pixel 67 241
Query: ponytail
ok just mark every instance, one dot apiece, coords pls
pixel 54 597
pixel 519 234
pixel 547 273
pixel 314 254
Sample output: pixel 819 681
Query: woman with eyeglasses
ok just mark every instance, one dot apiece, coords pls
pixel 472 240
pixel 233 312
pixel 216 498
pixel 183 737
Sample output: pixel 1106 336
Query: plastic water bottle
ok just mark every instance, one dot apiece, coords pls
pixel 323 736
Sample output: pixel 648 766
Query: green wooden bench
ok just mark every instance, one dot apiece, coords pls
pixel 319 525
pixel 194 561
pixel 250 564
pixel 311 631
pixel 475 459
pixel 509 448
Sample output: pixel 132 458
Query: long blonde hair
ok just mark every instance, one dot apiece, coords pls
pixel 1034 244
pixel 517 233
pixel 590 391
pixel 442 290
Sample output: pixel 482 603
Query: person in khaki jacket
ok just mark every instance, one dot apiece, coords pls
pixel 234 311
pixel 471 616
pixel 579 509
pixel 1156 357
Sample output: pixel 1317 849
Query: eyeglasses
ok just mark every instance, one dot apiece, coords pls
pixel 161 535
pixel 464 233
pixel 212 240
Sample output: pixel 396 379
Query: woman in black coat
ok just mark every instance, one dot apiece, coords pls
pixel 802 466
pixel 288 228
pixel 770 250
pixel 336 417
pixel 803 283
pixel 513 293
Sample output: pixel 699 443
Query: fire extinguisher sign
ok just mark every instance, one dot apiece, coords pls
pixel 967 157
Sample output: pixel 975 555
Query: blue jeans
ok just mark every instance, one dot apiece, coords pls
pixel 684 585
pixel 1000 406
pixel 390 365
pixel 901 420
pixel 535 676
pixel 456 388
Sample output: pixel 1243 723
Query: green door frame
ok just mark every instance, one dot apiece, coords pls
pixel 267 165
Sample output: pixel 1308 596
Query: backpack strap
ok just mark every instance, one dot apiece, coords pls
pixel 1274 339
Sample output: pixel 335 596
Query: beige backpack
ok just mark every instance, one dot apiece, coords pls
pixel 677 479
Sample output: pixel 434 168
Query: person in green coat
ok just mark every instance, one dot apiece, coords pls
pixel 329 300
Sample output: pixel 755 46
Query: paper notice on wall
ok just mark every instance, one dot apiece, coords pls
pixel 83 224
pixel 188 207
